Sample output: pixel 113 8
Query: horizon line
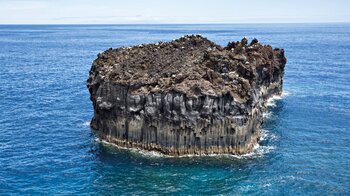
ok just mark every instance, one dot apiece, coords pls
pixel 213 23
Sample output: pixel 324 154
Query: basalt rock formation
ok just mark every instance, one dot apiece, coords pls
pixel 187 96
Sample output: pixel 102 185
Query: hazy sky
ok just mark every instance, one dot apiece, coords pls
pixel 176 11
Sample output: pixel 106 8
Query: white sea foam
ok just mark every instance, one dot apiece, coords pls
pixel 271 102
pixel 263 136
pixel 262 150
pixel 86 123
pixel 147 153
pixel 267 135
pixel 267 185
pixel 258 151
pixel 267 115
pixel 134 150
pixel 285 93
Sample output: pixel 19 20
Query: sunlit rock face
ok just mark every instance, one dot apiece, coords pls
pixel 187 96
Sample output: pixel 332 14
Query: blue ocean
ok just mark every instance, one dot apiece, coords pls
pixel 48 148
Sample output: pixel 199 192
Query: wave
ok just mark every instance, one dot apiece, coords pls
pixel 86 124
pixel 267 115
pixel 146 153
pixel 267 135
pixel 271 102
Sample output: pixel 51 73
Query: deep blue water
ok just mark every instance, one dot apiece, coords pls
pixel 47 147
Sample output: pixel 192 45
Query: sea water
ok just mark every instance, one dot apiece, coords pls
pixel 47 147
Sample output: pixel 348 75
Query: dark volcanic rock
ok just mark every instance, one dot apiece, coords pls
pixel 188 96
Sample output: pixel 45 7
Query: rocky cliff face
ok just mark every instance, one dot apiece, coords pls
pixel 188 96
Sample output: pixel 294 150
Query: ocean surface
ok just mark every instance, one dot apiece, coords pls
pixel 47 147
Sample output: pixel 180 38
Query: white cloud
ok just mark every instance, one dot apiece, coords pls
pixel 7 6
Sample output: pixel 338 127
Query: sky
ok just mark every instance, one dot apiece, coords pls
pixel 172 12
